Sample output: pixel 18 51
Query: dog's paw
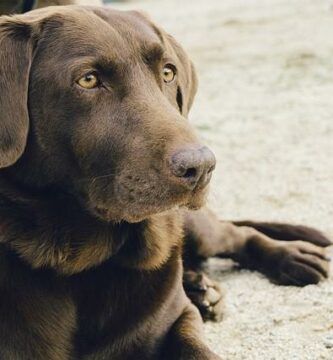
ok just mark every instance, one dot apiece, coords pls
pixel 297 263
pixel 206 294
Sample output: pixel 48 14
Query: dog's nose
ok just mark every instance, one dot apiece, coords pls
pixel 194 166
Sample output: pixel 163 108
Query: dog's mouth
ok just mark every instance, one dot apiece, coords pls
pixel 135 194
pixel 143 208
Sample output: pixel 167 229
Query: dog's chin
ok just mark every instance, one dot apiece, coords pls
pixel 138 213
pixel 131 216
pixel 197 200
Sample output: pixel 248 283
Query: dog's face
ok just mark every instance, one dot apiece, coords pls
pixel 108 95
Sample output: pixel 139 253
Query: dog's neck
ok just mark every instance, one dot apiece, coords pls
pixel 54 231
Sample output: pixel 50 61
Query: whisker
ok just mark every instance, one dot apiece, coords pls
pixel 94 178
pixel 102 176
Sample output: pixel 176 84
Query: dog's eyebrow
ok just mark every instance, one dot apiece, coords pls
pixel 107 65
pixel 152 54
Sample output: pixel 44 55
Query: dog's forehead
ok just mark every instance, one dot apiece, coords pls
pixel 129 23
pixel 105 30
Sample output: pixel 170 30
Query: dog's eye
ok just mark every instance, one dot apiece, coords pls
pixel 169 73
pixel 89 81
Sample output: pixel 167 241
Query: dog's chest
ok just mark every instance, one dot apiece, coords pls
pixel 126 311
pixel 37 314
pixel 106 312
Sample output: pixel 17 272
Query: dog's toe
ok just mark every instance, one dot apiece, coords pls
pixel 298 263
pixel 206 294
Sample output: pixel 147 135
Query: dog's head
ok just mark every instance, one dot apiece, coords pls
pixel 94 101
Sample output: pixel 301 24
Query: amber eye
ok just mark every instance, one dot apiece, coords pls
pixel 89 81
pixel 169 73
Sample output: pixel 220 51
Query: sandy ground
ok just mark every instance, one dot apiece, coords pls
pixel 265 107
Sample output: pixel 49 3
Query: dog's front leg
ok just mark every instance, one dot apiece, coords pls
pixel 290 262
pixel 185 340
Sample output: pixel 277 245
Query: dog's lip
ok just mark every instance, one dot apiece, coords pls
pixel 191 199
pixel 106 214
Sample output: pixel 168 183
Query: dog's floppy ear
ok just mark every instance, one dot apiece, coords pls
pixel 16 47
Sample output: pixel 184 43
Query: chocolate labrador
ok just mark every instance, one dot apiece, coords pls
pixel 101 174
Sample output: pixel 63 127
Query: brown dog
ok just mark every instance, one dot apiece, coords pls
pixel 98 166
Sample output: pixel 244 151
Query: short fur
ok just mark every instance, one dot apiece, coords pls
pixel 91 219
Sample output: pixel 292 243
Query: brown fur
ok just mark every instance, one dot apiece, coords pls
pixel 92 218
pixel 91 233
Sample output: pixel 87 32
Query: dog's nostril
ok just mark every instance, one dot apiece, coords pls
pixel 190 173
pixel 211 169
